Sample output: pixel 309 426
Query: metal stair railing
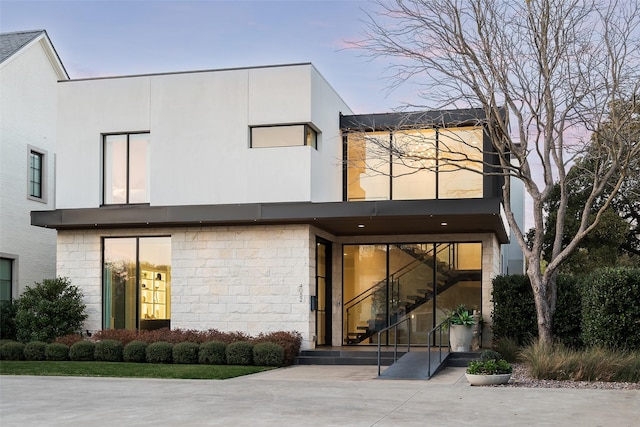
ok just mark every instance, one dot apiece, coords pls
pixel 439 328
pixel 395 340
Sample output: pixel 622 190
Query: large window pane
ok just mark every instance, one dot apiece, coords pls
pixel 137 283
pixel 138 168
pixel 115 169
pixel 368 166
pixel 365 292
pixel 414 165
pixel 460 171
pixel 155 279
pixel 119 275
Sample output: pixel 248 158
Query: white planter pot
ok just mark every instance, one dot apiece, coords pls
pixel 488 379
pixel 460 337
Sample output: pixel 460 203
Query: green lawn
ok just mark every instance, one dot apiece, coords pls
pixel 137 370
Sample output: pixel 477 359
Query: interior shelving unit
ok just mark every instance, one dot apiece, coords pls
pixel 153 295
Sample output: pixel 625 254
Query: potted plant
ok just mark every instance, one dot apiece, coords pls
pixel 490 369
pixel 461 321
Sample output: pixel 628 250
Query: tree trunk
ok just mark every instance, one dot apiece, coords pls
pixel 544 297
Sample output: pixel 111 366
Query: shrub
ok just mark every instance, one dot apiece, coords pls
pixel 610 308
pixel 109 351
pixel 12 351
pixel 489 367
pixel 290 342
pixel 212 353
pixel 186 353
pixel 48 310
pixel 268 354
pixel 514 310
pixel 69 339
pixel 57 352
pixel 82 351
pixel 7 320
pixel 490 355
pixel 125 336
pixel 35 351
pixel 239 353
pixel 160 352
pixel 135 352
pixel 508 348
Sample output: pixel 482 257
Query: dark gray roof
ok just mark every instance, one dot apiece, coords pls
pixel 10 43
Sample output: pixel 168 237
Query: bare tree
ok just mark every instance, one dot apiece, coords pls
pixel 560 70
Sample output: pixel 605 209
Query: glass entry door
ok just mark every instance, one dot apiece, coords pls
pixel 323 293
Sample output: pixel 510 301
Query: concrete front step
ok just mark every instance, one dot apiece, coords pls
pixel 345 357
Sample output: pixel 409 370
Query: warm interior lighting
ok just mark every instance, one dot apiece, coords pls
pixel 444 223
pixel 360 225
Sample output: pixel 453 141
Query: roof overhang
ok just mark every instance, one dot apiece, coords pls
pixel 338 218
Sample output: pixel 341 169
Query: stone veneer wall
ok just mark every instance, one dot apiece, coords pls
pixel 249 279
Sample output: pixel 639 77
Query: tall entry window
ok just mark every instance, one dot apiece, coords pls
pixel 6 278
pixel 137 282
pixel 385 283
pixel 126 168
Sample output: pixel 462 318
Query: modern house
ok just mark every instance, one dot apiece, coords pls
pixel 253 199
pixel 29 73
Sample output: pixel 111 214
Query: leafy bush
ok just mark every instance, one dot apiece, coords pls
pixel 508 348
pixel 186 353
pixel 239 353
pixel 559 362
pixel 109 351
pixel 514 310
pixel 69 339
pixel 48 310
pixel 35 351
pixel 290 341
pixel 268 354
pixel 490 355
pixel 489 367
pixel 82 351
pixel 212 353
pixel 57 352
pixel 125 336
pixel 610 308
pixel 12 351
pixel 135 352
pixel 8 320
pixel 160 352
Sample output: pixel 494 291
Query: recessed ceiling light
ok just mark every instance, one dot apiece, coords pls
pixel 360 225
pixel 443 223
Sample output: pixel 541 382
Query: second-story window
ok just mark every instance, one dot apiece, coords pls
pixel 36 174
pixel 283 136
pixel 126 168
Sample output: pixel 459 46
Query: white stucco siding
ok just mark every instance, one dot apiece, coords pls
pixel 88 109
pixel 249 279
pixel 200 135
pixel 326 162
pixel 28 101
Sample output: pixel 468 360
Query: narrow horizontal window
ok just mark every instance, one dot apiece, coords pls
pixel 283 136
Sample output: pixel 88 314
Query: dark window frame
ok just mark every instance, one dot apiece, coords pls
pixel 41 172
pixel 307 129
pixel 104 166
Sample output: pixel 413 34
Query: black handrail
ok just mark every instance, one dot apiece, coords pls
pixel 395 340
pixel 439 328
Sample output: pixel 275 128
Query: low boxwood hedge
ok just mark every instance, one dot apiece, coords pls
pixel 82 351
pixel 109 351
pixel 212 353
pixel 186 353
pixel 135 352
pixel 240 353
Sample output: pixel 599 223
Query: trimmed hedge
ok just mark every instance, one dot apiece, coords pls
pixel 135 352
pixel 82 351
pixel 611 308
pixel 186 353
pixel 268 354
pixel 212 353
pixel 109 351
pixel 240 353
pixel 514 310
pixel 35 351
pixel 12 351
pixel 160 352
pixel 57 352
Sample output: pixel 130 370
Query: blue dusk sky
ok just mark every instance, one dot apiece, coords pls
pixel 123 37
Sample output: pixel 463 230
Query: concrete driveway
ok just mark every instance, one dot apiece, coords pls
pixel 305 396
